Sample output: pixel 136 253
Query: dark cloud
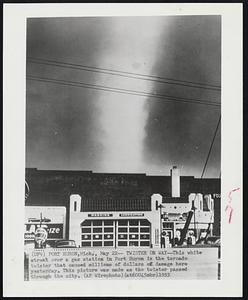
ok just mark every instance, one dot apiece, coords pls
pixel 181 133
pixel 62 128
pixel 77 39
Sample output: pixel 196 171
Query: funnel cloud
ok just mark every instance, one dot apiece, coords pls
pixel 112 118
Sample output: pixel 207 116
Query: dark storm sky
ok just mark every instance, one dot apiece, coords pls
pixel 86 129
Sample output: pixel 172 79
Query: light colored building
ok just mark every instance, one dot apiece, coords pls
pixel 115 228
pixel 175 212
pixel 164 221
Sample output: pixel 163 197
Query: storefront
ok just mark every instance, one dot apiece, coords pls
pixel 175 216
pixel 116 233
pixel 115 229
pixel 165 221
pixel 121 210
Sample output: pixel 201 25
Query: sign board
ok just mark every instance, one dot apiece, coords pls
pixel 51 219
pixel 131 215
pixel 174 217
pixel 96 215
pixel 54 231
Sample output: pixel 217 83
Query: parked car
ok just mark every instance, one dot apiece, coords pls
pixel 65 244
pixel 213 240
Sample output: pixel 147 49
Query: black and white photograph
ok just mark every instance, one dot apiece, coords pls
pixel 123 135
pixel 123 150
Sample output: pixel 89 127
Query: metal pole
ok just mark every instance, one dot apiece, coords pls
pixel 160 208
pixel 194 221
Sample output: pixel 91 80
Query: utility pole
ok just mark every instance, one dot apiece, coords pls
pixel 40 219
pixel 161 227
pixel 193 208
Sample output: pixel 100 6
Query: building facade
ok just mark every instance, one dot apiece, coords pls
pixel 115 228
pixel 112 210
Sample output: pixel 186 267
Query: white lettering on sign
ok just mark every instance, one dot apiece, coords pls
pixel 216 195
pixel 132 215
pixel 53 230
pixel 100 215
pixel 29 236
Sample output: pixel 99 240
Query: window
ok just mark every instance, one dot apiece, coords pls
pixel 108 229
pixel 122 229
pixel 122 233
pixel 97 223
pixel 86 237
pixel 97 236
pixel 133 229
pixel 144 243
pixel 133 236
pixel 108 236
pixel 144 223
pixel 144 236
pixel 122 243
pixel 108 244
pixel 145 229
pixel 122 222
pixel 133 222
pixel 86 244
pixel 86 229
pixel 132 243
pixel 122 236
pixel 86 223
pixel 97 244
pixel 108 223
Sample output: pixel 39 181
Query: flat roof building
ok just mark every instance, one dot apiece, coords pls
pixel 120 193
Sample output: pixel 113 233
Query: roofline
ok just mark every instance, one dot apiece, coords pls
pixel 118 174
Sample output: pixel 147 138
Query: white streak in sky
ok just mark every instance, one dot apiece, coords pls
pixel 131 45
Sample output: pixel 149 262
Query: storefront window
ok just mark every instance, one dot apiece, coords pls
pixel 111 233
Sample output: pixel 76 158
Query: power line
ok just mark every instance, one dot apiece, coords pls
pixel 204 168
pixel 211 146
pixel 132 91
pixel 122 91
pixel 124 74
